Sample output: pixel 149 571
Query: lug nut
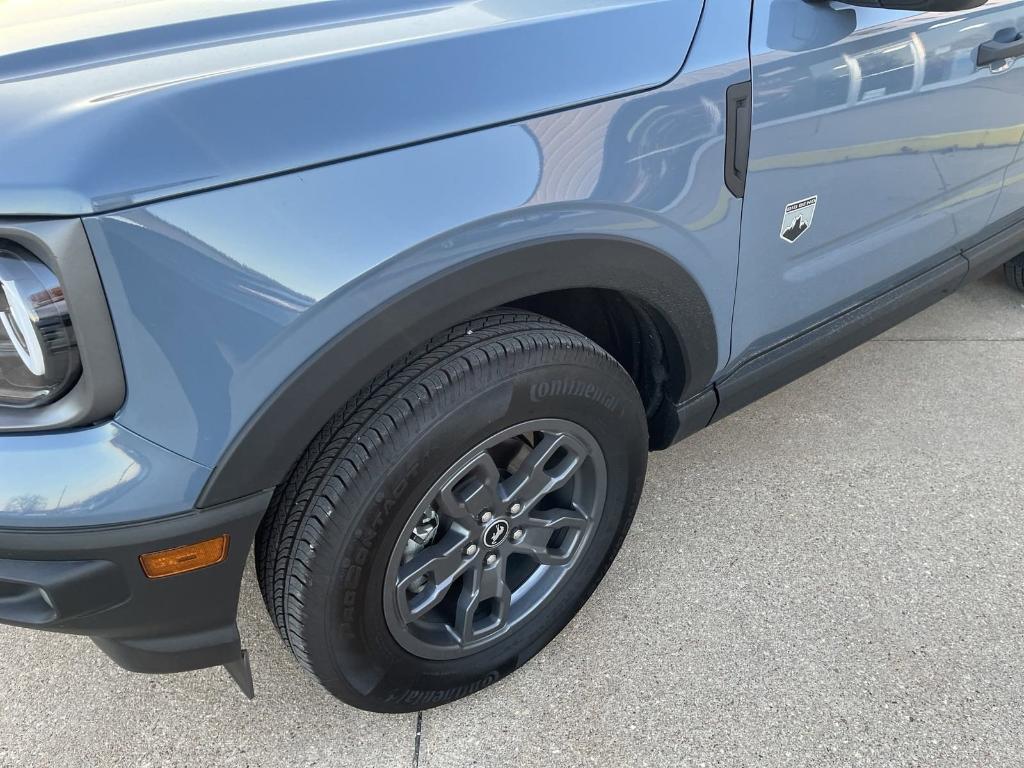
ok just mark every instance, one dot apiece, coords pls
pixel 486 516
pixel 517 534
pixel 491 559
pixel 516 508
pixel 471 550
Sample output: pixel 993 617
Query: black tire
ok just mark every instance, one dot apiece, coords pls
pixel 1014 271
pixel 323 549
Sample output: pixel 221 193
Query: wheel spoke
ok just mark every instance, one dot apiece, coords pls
pixel 538 530
pixel 483 584
pixel 536 547
pixel 553 519
pixel 535 479
pixel 475 491
pixel 441 564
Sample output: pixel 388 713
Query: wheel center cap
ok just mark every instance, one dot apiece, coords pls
pixel 496 533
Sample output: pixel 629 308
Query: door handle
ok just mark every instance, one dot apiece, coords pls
pixel 1007 44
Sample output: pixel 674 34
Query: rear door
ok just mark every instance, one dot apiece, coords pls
pixel 877 148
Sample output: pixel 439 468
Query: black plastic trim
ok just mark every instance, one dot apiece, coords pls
pixel 793 358
pixel 737 136
pixel 1001 245
pixel 695 414
pixel 265 449
pixel 44 592
pixel 998 51
pixel 89 582
pixel 785 362
pixel 62 245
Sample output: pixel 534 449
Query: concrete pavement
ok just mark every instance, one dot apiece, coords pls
pixel 829 577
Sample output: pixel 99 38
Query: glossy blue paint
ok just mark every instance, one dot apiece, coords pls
pixel 103 475
pixel 118 104
pixel 902 138
pixel 1007 99
pixel 263 180
pixel 218 297
pixel 234 239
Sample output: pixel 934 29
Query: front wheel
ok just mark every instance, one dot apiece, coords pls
pixel 453 517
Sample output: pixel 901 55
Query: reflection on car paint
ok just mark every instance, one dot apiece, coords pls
pixel 348 236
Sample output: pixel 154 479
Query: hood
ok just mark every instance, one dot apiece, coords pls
pixel 108 104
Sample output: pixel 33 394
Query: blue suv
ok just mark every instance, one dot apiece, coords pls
pixel 398 294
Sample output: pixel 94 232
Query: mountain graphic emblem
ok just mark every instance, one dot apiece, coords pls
pixel 797 218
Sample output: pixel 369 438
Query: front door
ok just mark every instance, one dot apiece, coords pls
pixel 878 146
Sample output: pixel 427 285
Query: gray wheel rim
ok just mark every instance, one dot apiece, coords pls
pixel 494 539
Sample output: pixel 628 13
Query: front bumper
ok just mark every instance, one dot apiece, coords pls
pixel 89 581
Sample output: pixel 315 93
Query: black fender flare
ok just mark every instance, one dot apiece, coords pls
pixel 264 450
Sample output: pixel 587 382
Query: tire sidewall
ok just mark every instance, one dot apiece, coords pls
pixel 351 648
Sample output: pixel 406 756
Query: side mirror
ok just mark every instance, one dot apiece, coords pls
pixel 926 6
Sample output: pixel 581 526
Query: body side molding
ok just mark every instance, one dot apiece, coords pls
pixel 801 354
pixel 790 360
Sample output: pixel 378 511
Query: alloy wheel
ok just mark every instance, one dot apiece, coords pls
pixel 493 539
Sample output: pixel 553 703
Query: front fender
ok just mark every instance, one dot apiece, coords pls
pixel 222 300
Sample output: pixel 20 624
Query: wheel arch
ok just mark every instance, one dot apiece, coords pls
pixel 672 315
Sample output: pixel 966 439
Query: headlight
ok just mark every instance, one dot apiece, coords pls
pixel 39 360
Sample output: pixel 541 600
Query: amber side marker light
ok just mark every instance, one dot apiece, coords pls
pixel 191 557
